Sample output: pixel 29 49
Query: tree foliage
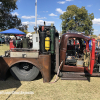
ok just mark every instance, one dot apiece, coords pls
pixel 77 19
pixel 94 36
pixel 23 28
pixel 7 20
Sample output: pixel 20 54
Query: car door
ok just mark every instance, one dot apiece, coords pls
pixel 92 57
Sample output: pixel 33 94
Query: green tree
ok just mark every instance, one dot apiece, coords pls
pixel 23 28
pixel 94 36
pixel 7 20
pixel 77 19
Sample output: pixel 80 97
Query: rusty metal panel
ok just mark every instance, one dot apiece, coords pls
pixel 43 63
pixel 73 68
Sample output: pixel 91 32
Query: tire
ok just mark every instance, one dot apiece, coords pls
pixel 24 71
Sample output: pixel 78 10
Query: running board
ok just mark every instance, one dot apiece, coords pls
pixel 73 76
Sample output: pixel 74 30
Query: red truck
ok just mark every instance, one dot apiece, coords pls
pixel 77 60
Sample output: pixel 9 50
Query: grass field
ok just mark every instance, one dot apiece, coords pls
pixel 3 48
pixel 12 89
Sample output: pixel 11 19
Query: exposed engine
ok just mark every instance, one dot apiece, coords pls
pixel 76 54
pixel 23 43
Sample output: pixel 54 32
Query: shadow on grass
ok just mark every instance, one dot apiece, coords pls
pixel 1 44
pixel 40 76
pixel 9 83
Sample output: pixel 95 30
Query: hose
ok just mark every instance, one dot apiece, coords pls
pixel 57 73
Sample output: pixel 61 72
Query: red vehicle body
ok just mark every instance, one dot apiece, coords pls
pixel 64 48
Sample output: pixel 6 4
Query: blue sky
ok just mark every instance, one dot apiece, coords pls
pixel 50 10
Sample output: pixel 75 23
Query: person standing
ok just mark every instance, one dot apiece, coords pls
pixel 7 40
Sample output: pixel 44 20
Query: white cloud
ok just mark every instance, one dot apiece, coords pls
pixel 60 10
pixel 39 22
pixel 99 9
pixel 52 14
pixel 25 23
pixel 42 18
pixel 89 5
pixel 96 21
pixel 28 17
pixel 15 14
pixel 45 11
pixel 95 30
pixel 31 17
pixel 69 0
pixel 61 2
